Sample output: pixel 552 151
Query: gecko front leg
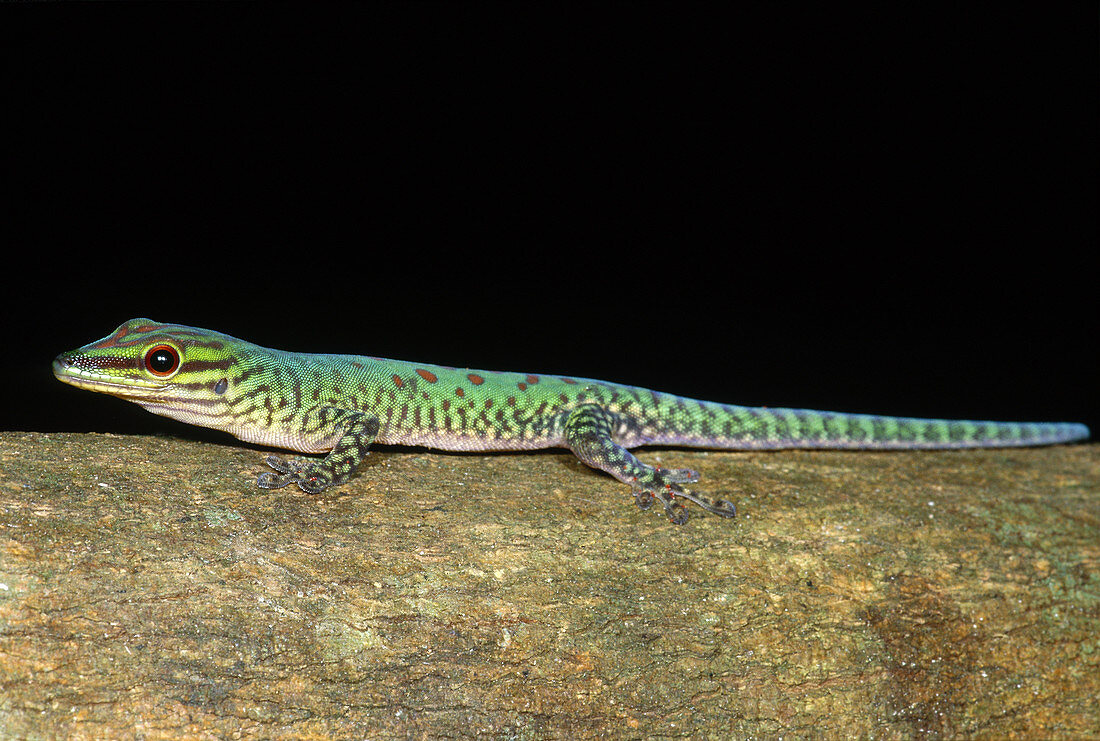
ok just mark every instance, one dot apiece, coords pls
pixel 356 432
pixel 589 434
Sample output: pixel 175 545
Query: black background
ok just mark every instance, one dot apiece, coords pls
pixel 855 208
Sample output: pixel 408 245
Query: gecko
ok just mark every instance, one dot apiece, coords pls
pixel 341 404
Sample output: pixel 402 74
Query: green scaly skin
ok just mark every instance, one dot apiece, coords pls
pixel 340 404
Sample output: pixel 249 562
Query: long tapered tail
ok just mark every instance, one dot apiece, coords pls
pixel 710 425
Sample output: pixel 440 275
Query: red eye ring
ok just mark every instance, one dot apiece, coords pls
pixel 162 360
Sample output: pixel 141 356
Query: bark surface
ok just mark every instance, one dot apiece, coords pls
pixel 149 590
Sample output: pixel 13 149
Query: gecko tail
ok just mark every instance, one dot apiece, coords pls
pixel 710 425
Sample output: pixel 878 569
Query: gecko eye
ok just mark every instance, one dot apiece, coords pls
pixel 162 360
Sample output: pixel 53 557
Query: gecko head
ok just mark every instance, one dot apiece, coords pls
pixel 152 363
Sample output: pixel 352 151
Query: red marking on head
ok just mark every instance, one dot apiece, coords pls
pixel 532 380
pixel 397 381
pixel 521 386
pixel 475 379
pixel 568 380
pixel 426 375
pixel 459 392
pixel 357 364
pixel 113 339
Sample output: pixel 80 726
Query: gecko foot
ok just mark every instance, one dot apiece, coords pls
pixel 354 432
pixel 664 484
pixel 310 477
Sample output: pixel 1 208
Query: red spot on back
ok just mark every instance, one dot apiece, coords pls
pixel 459 392
pixel 568 380
pixel 475 379
pixel 397 381
pixel 532 380
pixel 521 386
pixel 427 375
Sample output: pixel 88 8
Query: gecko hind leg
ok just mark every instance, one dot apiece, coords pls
pixel 589 434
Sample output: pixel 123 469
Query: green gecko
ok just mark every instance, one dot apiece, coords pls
pixel 340 404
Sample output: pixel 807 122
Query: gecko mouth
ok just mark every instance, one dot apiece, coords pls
pixel 131 388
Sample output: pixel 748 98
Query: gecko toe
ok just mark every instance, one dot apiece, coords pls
pixel 677 514
pixel 285 473
pixel 281 465
pixel 680 475
pixel 721 507
pixel 269 480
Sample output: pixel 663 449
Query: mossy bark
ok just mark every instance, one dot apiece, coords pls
pixel 148 589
